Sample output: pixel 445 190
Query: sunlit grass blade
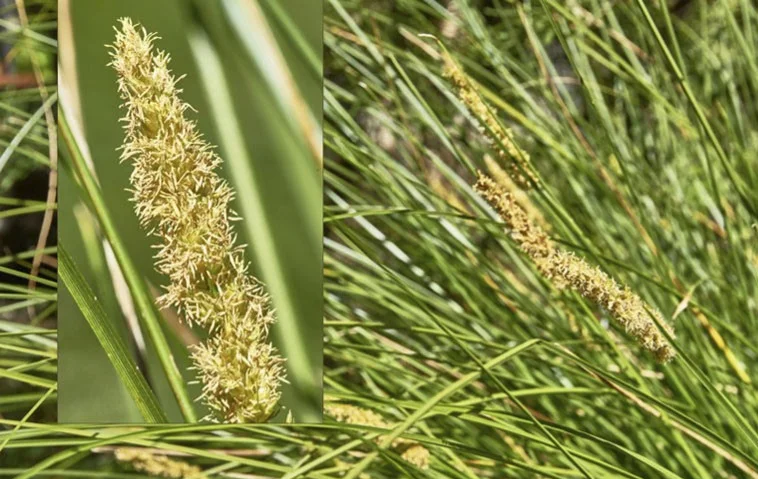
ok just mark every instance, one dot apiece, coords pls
pixel 259 229
pixel 247 17
pixel 109 339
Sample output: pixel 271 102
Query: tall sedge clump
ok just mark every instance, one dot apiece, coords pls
pixel 568 270
pixel 180 198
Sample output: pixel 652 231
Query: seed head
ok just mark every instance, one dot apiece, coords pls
pixel 240 373
pixel 568 270
pixel 157 465
pixel 417 455
pixel 179 197
pixel 504 180
pixel 501 139
pixel 530 237
pixel 411 451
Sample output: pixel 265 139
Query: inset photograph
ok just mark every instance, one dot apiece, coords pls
pixel 191 212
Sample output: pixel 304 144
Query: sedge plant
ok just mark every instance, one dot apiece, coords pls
pixel 639 120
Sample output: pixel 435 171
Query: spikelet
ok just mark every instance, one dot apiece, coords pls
pixel 413 452
pixel 236 370
pixel 500 139
pixel 417 455
pixel 355 415
pixel 532 239
pixel 157 465
pixel 569 270
pixel 522 198
pixel 181 199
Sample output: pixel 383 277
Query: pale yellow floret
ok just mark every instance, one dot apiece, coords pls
pixel 417 455
pixel 522 198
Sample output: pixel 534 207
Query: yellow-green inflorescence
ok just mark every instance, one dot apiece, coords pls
pixel 411 451
pixel 501 139
pixel 181 199
pixel 156 465
pixel 568 270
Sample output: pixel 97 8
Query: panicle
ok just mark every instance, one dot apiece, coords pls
pixel 181 199
pixel 568 270
pixel 501 139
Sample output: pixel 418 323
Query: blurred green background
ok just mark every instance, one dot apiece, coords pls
pixel 284 240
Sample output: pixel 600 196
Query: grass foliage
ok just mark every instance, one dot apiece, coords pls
pixel 641 124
